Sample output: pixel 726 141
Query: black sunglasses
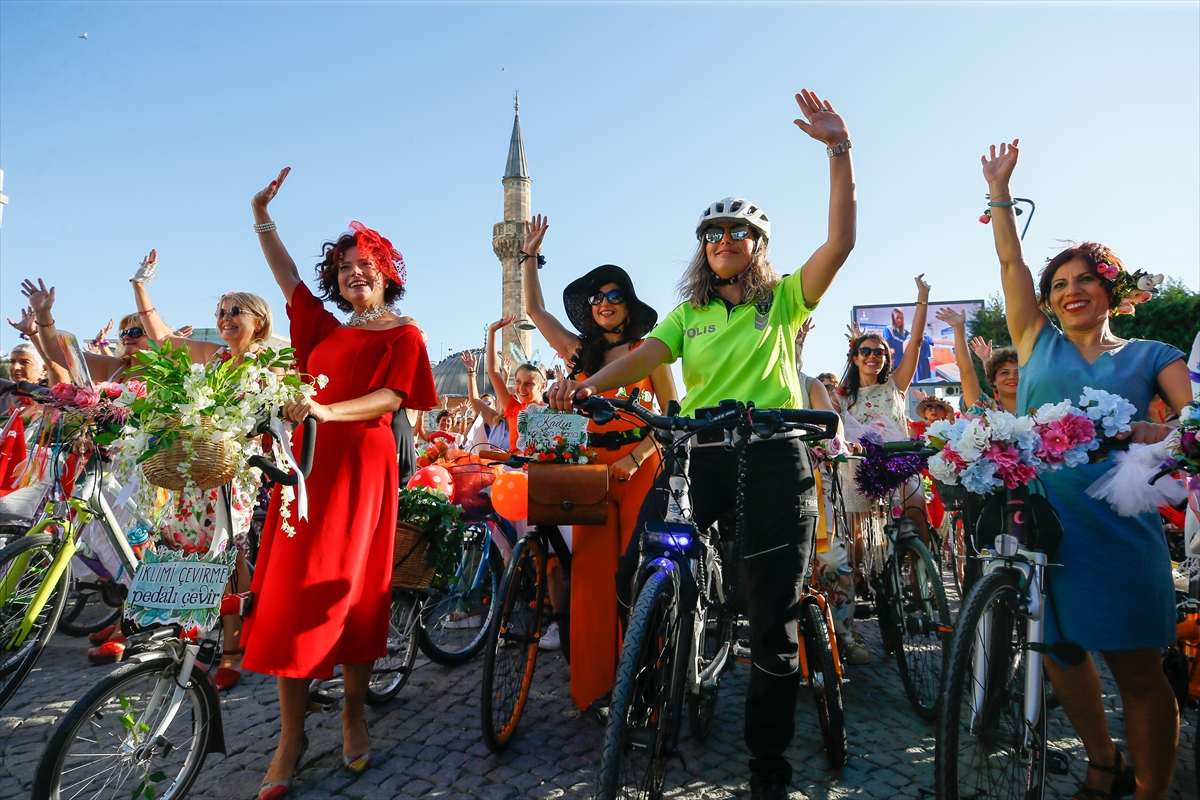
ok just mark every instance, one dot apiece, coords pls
pixel 235 311
pixel 132 333
pixel 613 296
pixel 865 351
pixel 714 234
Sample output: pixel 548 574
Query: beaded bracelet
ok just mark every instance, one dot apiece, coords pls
pixel 265 227
pixel 100 343
pixel 1009 204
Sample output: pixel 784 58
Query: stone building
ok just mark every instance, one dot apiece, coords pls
pixel 508 237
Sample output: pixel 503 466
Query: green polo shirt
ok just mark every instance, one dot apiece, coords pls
pixel 745 352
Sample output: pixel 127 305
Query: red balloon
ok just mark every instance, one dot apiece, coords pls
pixel 433 477
pixel 510 495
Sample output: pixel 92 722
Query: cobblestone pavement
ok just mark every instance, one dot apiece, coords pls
pixel 428 743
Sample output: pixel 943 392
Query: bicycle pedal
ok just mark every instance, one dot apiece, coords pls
pixel 1057 762
pixel 741 652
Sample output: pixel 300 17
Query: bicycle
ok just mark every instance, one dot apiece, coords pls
pixel 680 632
pixel 391 672
pixel 146 728
pixel 821 671
pixel 914 615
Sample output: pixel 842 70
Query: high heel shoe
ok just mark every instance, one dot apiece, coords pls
pixel 357 765
pixel 281 789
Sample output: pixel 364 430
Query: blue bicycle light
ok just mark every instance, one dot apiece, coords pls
pixel 670 537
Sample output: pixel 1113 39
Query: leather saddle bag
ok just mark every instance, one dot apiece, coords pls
pixel 568 494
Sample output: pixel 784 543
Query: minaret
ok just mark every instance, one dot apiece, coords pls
pixel 509 236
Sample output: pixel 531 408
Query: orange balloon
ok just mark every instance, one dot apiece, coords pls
pixel 510 496
pixel 435 478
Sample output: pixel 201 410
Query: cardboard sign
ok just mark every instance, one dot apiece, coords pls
pixel 178 588
pixel 540 426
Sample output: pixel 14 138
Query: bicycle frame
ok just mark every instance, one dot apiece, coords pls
pixel 814 597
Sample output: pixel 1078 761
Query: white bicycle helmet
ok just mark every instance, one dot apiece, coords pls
pixel 735 209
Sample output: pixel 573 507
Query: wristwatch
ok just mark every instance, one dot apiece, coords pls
pixel 838 149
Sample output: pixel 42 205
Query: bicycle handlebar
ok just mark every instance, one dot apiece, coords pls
pixel 763 421
pixel 307 446
pixel 909 446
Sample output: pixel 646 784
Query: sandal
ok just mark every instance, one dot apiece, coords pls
pixel 1124 783
pixel 226 678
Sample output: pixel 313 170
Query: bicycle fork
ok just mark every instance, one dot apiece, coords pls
pixel 49 583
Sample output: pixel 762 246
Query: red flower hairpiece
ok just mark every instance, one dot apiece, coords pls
pixel 379 251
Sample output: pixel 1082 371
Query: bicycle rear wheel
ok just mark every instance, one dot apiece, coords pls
pixel 642 722
pixel 390 673
pixel 455 621
pixel 102 748
pixel 85 611
pixel 512 644
pixel 825 681
pixel 922 619
pixel 985 746
pixel 24 565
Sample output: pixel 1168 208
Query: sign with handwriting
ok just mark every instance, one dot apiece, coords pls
pixel 541 426
pixel 178 588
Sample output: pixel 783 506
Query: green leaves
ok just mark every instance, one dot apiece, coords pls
pixel 441 522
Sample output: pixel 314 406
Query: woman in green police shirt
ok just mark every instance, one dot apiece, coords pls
pixel 734 332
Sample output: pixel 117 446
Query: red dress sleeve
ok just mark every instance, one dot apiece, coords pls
pixel 311 323
pixel 406 369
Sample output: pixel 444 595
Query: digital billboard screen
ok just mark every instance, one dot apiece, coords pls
pixel 893 323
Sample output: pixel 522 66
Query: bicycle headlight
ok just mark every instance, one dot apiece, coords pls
pixel 1007 545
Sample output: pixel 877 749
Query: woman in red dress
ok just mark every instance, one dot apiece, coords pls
pixel 323 589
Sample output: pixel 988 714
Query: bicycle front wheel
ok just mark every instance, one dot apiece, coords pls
pixel 825 681
pixel 922 619
pixel 985 745
pixel 106 746
pixel 24 566
pixel 642 720
pixel 455 622
pixel 512 644
pixel 391 672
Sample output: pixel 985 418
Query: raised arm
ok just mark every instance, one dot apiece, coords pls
pixel 826 126
pixel 1024 315
pixel 629 368
pixel 908 366
pixel 490 415
pixel 962 355
pixel 562 340
pixel 499 382
pixel 152 321
pixel 41 300
pixel 29 328
pixel 281 263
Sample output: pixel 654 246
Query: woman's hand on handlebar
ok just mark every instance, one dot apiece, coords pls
pixel 302 407
pixel 563 394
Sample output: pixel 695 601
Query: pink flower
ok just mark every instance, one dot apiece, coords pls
pixel 1140 297
pixel 137 387
pixel 1125 308
pixel 985 219
pixel 1078 428
pixel 109 389
pixel 1005 458
pixel 951 455
pixel 1054 442
pixel 64 392
pixel 1108 271
pixel 85 398
pixel 1019 475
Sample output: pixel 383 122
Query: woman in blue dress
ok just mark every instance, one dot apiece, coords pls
pixel 1113 591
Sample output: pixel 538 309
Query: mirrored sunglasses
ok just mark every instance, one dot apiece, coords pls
pixel 234 311
pixel 132 333
pixel 613 296
pixel 737 233
pixel 866 352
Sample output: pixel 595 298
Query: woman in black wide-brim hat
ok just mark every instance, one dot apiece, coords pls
pixel 611 321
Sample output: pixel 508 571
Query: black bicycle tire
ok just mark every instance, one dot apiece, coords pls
pixel 66 624
pixel 610 777
pixel 703 708
pixel 512 592
pixel 408 652
pixel 951 708
pixel 926 710
pixel 50 766
pixel 453 658
pixel 16 673
pixel 828 692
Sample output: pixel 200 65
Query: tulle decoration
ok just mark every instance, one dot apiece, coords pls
pixel 379 251
pixel 879 473
pixel 1126 487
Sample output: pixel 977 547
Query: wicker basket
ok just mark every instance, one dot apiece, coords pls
pixel 212 466
pixel 411 569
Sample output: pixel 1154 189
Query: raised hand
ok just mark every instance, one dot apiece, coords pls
pixel 823 123
pixel 469 360
pixel 506 367
pixel 145 270
pixel 922 287
pixel 998 168
pixel 853 331
pixel 535 231
pixel 808 325
pixel 981 348
pixel 184 332
pixel 500 323
pixel 264 197
pixel 40 298
pixel 918 395
pixel 27 324
pixel 102 336
pixel 955 319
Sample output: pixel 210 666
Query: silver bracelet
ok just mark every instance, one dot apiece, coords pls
pixel 265 227
pixel 838 149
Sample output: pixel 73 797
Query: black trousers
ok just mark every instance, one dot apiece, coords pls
pixel 781 517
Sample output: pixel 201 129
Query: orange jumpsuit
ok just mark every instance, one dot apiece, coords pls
pixel 595 550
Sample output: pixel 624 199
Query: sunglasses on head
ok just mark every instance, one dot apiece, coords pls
pixel 737 233
pixel 866 352
pixel 132 333
pixel 235 311
pixel 613 296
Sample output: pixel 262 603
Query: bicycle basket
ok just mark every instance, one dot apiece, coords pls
pixel 470 479
pixel 411 569
pixel 213 464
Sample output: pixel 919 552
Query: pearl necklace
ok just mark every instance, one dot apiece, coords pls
pixel 370 314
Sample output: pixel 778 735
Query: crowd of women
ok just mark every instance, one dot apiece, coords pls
pixel 322 597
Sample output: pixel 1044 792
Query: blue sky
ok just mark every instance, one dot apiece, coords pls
pixel 157 130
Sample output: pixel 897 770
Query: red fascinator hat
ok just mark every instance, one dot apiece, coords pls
pixel 379 251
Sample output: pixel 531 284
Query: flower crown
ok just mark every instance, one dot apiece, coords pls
pixel 1127 289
